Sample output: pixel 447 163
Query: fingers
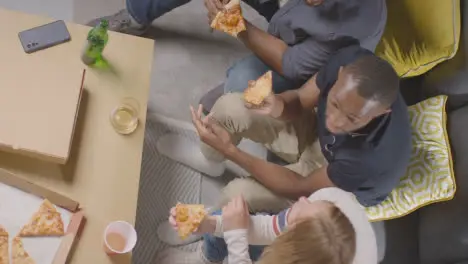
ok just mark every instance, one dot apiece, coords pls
pixel 194 116
pixel 218 4
pixel 248 105
pixel 197 122
pixel 172 218
pixel 216 129
pixel 246 206
pixel 172 222
pixel 214 5
pixel 208 119
pixel 237 203
pixel 200 111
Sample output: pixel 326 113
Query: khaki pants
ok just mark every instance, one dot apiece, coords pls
pixel 296 142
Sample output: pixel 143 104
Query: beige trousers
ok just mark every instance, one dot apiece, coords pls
pixel 296 142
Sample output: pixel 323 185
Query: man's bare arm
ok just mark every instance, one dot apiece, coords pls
pixel 279 179
pixel 267 47
pixel 290 104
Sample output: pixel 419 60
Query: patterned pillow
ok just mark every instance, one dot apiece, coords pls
pixel 429 177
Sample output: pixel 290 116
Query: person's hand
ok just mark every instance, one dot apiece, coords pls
pixel 213 7
pixel 210 132
pixel 268 105
pixel 236 214
pixel 208 225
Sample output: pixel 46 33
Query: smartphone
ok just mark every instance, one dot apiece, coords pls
pixel 44 36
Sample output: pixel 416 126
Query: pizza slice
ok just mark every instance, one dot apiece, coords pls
pixel 47 221
pixel 19 254
pixel 189 218
pixel 4 257
pixel 230 20
pixel 258 90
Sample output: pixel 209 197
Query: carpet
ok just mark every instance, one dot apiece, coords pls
pixel 163 183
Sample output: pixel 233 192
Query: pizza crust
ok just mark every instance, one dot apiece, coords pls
pixel 19 254
pixel 4 257
pixel 47 221
pixel 258 90
pixel 230 20
pixel 189 218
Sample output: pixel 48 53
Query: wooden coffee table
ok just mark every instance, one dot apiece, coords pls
pixel 103 172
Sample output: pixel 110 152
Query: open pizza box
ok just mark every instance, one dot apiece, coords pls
pixel 19 200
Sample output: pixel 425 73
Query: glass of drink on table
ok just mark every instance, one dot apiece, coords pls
pixel 124 118
pixel 120 237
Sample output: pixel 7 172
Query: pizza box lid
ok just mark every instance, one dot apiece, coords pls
pixel 39 101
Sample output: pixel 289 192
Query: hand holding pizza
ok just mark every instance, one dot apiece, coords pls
pixel 266 108
pixel 236 215
pixel 226 16
pixel 196 221
pixel 260 98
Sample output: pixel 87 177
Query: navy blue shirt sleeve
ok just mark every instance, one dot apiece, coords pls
pixel 303 60
pixel 349 170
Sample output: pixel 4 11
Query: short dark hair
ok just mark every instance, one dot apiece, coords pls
pixel 377 80
pixel 334 10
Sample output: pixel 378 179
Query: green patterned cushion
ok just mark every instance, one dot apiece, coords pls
pixel 429 177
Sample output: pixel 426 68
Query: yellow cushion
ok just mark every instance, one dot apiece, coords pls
pixel 429 177
pixel 420 34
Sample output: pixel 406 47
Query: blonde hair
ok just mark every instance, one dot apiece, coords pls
pixel 327 238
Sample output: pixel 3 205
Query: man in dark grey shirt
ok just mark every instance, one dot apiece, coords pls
pixel 352 107
pixel 368 161
pixel 302 34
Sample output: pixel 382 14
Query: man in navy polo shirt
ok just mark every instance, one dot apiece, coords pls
pixel 347 127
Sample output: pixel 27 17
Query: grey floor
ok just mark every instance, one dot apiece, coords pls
pixel 189 60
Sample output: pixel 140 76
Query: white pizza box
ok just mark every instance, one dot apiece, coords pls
pixel 16 209
pixel 19 200
pixel 39 101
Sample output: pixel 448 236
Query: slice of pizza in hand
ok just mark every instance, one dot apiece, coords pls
pixel 47 221
pixel 189 218
pixel 230 20
pixel 4 257
pixel 19 254
pixel 258 90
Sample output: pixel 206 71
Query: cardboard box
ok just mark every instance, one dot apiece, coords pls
pixel 54 250
pixel 39 101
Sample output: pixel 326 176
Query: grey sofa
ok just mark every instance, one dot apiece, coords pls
pixel 438 233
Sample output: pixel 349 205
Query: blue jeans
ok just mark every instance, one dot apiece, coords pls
pixel 145 11
pixel 251 68
pixel 215 248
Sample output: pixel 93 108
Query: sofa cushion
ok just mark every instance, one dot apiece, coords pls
pixel 420 34
pixel 450 77
pixel 443 229
pixel 429 177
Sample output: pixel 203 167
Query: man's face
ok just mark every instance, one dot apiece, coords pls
pixel 346 110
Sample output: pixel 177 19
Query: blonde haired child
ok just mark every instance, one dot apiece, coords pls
pixel 329 227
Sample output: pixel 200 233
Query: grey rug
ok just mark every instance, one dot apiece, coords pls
pixel 163 183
